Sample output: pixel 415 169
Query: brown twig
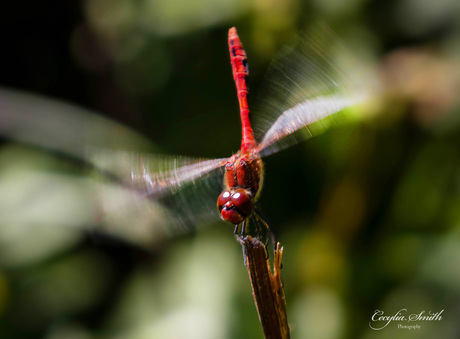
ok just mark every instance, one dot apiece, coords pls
pixel 267 288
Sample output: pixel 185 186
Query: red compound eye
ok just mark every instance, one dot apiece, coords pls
pixel 224 197
pixel 234 206
pixel 243 202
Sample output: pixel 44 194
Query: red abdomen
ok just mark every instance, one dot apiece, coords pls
pixel 240 75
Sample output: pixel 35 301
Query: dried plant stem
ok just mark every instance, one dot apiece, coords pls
pixel 267 288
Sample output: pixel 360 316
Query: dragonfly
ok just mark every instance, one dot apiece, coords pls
pixel 307 87
pixel 242 173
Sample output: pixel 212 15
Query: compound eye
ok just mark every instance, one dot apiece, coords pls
pixel 224 197
pixel 242 202
pixel 234 206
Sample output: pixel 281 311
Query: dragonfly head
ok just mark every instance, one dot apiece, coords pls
pixel 235 205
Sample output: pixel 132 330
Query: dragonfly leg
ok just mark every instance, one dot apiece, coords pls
pixel 270 227
pixel 235 231
pixel 243 228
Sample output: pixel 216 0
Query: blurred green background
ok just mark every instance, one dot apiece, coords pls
pixel 368 213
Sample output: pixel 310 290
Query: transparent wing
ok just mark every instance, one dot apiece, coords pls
pixel 153 174
pixel 311 81
pixel 61 127
pixel 185 188
pixel 79 184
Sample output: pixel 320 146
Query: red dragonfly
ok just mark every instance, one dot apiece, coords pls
pixel 243 172
pixel 309 86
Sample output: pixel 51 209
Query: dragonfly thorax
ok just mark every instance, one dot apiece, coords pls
pixel 244 171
